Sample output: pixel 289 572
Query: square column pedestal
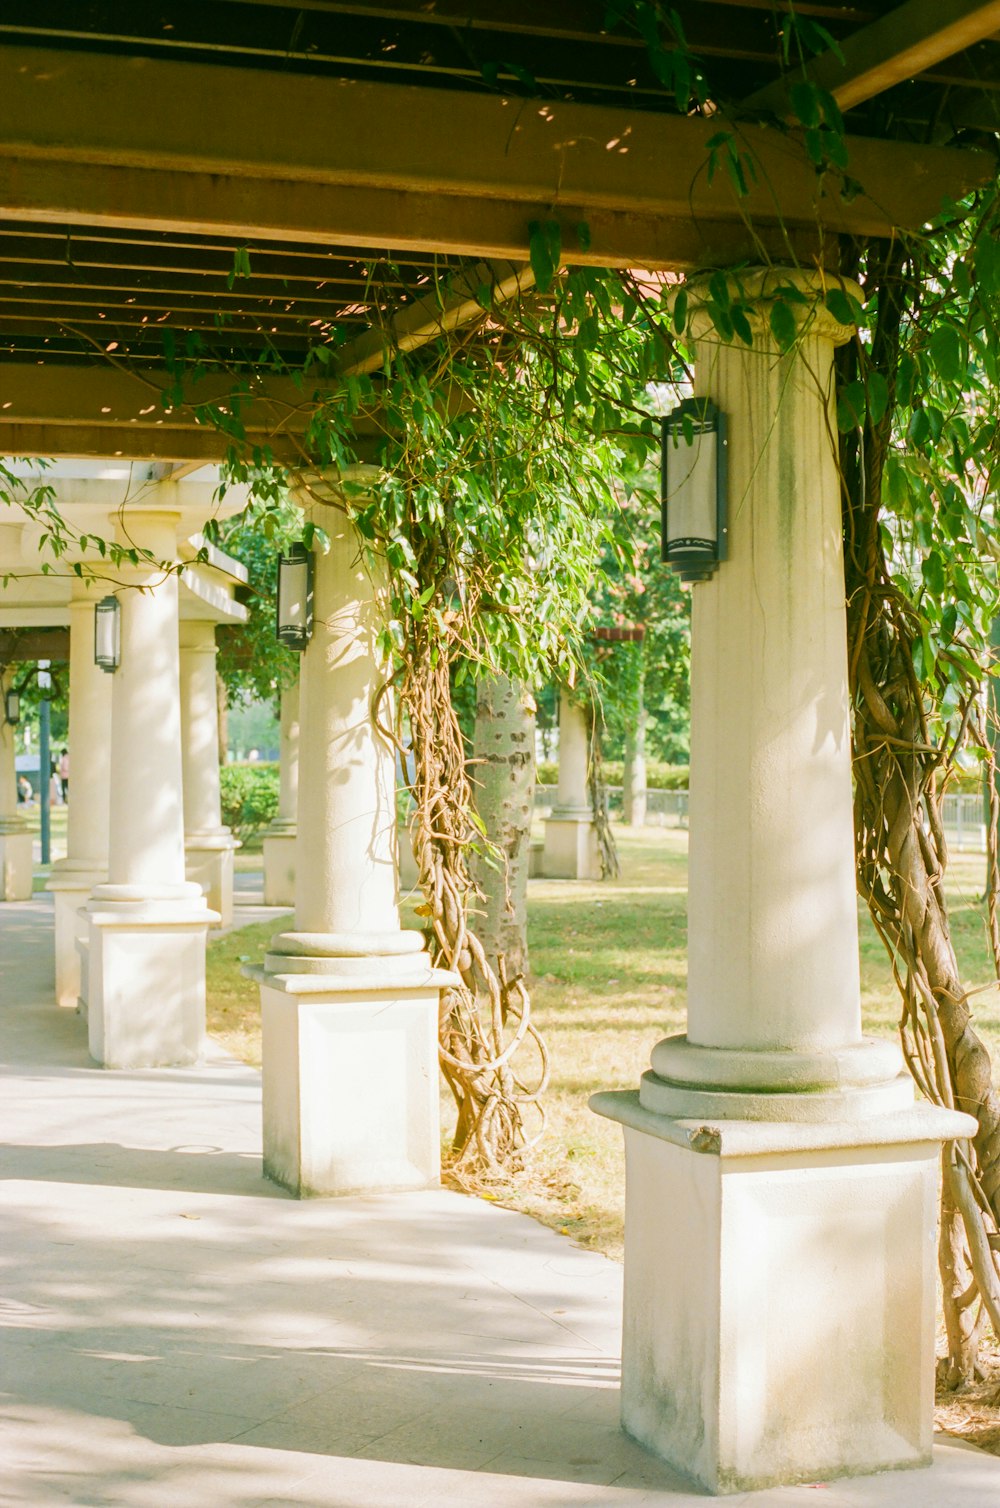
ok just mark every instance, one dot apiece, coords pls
pixel 571 851
pixel 279 865
pixel 17 867
pixel 145 978
pixel 208 863
pixel 350 1073
pixel 71 888
pixel 780 1283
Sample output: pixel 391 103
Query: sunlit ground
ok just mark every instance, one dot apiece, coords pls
pixel 609 976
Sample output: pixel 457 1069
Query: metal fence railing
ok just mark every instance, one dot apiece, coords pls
pixel 663 808
pixel 962 815
pixel 963 819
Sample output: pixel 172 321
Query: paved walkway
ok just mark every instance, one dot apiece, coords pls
pixel 178 1334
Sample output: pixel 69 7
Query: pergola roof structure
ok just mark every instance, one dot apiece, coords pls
pixel 357 151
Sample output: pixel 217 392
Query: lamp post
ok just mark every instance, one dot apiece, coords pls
pixel 693 479
pixel 295 597
pixel 108 634
pixel 12 708
pixel 44 761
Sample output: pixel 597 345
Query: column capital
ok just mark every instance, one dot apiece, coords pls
pixel 758 289
pixel 325 484
pixel 147 528
pixel 88 589
pixel 197 636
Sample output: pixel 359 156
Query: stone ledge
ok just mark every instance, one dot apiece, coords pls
pixel 372 982
pixel 727 1139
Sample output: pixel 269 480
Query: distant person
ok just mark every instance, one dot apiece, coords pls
pixel 24 790
pixel 64 773
pixel 55 787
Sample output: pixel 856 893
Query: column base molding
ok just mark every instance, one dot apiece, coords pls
pixel 780 1288
pixel 571 851
pixel 690 1081
pixel 71 882
pixel 279 863
pixel 208 863
pixel 145 984
pixel 17 863
pixel 350 1071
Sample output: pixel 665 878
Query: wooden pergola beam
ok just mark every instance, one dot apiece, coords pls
pixel 49 409
pixel 350 163
pixel 899 45
pixel 434 315
pixel 21 645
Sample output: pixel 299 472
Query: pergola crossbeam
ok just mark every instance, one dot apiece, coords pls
pixel 905 42
pixel 50 409
pixel 435 315
pixel 348 163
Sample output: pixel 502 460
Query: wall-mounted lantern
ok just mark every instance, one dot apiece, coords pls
pixel 12 708
pixel 693 484
pixel 295 597
pixel 108 634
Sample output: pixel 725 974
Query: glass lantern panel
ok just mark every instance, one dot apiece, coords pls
pixel 692 496
pixel 107 636
pixel 293 591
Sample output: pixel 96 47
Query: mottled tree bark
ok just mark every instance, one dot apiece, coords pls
pixel 504 778
pixel 964 1315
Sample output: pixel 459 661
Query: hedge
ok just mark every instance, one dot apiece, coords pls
pixel 659 776
pixel 249 797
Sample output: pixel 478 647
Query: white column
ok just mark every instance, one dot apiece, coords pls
pixel 349 1000
pixel 780 1179
pixel 571 851
pixel 148 924
pixel 279 838
pixel 16 857
pixel 208 845
pixel 86 862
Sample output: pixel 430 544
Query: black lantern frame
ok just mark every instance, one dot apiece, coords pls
pixel 294 606
pixel 12 707
pixel 694 489
pixel 108 634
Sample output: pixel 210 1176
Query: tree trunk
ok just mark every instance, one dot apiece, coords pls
pixel 504 777
pixel 964 1316
pixel 634 774
pixel 991 789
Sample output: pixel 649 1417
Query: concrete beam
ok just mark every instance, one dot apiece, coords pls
pixel 19 646
pixel 109 411
pixel 345 162
pixel 899 45
pixel 435 315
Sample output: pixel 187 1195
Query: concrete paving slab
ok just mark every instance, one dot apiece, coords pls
pixel 176 1333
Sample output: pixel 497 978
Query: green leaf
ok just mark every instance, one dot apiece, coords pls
pixel 741 324
pixel 845 309
pixel 784 326
pixel 545 247
pixel 878 395
pixel 945 350
pixel 680 311
pixel 933 574
pixel 919 428
pixel 851 406
pixel 805 102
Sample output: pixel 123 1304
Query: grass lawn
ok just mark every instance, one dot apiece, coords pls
pixel 609 971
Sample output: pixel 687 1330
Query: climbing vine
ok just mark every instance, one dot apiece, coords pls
pixel 487 513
